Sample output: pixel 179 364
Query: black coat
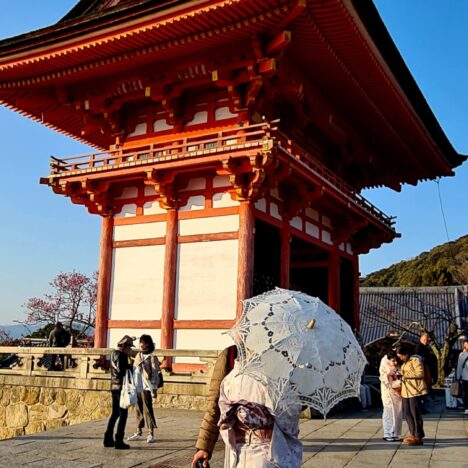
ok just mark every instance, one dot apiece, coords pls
pixel 119 366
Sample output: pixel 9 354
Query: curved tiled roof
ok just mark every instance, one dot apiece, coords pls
pixel 388 311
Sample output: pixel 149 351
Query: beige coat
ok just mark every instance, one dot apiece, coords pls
pixel 413 384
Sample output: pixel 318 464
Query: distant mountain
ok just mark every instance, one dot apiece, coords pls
pixel 444 265
pixel 17 331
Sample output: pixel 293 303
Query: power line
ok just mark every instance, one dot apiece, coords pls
pixel 442 208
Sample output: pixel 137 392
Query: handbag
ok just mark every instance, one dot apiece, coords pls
pixel 160 379
pixel 128 394
pixel 456 389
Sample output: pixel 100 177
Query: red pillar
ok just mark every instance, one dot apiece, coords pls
pixel 285 254
pixel 334 280
pixel 104 281
pixel 170 271
pixel 246 254
pixel 356 292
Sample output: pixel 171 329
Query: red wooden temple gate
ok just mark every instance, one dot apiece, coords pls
pixel 233 138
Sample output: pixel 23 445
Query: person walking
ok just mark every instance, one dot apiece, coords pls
pixel 390 387
pixel 146 376
pixel 462 373
pixel 120 363
pixel 209 429
pixel 254 436
pixel 413 387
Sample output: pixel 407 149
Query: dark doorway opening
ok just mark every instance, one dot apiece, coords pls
pixel 267 257
pixel 309 272
pixel 347 291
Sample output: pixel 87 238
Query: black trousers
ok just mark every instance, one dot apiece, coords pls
pixel 413 416
pixel 465 393
pixel 118 413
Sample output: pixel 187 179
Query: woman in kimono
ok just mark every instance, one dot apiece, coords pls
pixel 390 386
pixel 254 435
pixel 146 376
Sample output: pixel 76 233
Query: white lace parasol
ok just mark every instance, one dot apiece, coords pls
pixel 300 349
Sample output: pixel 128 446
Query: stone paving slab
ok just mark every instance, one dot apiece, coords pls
pixel 352 440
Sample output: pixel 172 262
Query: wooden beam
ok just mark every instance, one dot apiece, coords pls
pixel 279 43
pixel 311 264
pixel 169 287
pixel 285 254
pixel 104 281
pixel 246 254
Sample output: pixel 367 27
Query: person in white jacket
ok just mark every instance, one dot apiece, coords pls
pixel 390 386
pixel 462 373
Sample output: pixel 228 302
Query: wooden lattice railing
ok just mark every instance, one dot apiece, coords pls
pixel 257 137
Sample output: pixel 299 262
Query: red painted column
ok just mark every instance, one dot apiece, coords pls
pixel 246 254
pixel 334 280
pixel 169 291
pixel 285 254
pixel 356 292
pixel 104 282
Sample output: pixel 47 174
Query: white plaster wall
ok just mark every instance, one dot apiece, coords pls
pixel 200 339
pixel 197 183
pixel 326 237
pixel 197 202
pixel 222 113
pixel 128 192
pixel 314 214
pixel 199 118
pixel 127 211
pixel 222 200
pixel 312 230
pixel 261 205
pixel 153 207
pixel 161 125
pixel 296 222
pixel 274 211
pixel 115 334
pixel 139 231
pixel 209 225
pixel 140 129
pixel 221 181
pixel 326 221
pixel 137 283
pixel 206 287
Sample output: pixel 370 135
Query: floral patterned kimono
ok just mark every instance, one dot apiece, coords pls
pixel 254 437
pixel 391 400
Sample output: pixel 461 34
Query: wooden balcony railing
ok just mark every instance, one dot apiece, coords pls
pixel 263 136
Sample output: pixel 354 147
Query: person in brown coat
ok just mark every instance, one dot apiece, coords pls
pixel 413 387
pixel 209 430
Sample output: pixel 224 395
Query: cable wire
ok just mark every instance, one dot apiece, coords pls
pixel 442 208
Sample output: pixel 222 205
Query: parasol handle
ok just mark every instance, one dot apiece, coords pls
pixel 311 324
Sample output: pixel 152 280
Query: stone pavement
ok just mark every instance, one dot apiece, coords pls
pixel 353 439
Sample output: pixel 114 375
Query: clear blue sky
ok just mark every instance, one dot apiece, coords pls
pixel 42 233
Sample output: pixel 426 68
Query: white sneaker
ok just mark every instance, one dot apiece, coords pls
pixel 150 439
pixel 136 436
pixel 466 411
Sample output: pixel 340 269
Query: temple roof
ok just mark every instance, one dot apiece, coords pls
pixel 342 47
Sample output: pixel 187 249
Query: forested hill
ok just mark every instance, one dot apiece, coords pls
pixel 444 265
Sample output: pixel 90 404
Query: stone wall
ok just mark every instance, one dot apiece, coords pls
pixel 25 409
pixel 35 404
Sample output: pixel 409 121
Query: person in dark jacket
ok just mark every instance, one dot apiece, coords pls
pixel 119 365
pixel 58 338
